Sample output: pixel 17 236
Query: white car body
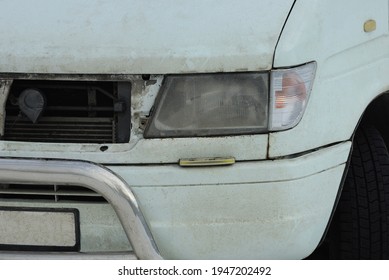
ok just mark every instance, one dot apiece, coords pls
pixel 276 200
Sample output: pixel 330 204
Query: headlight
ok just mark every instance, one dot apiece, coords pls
pixel 230 104
pixel 210 105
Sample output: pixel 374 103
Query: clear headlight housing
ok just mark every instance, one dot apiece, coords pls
pixel 289 93
pixel 230 103
pixel 210 105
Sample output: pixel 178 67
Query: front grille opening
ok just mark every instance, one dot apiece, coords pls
pixel 68 112
pixel 49 193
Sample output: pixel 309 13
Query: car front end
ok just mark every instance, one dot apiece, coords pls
pixel 173 130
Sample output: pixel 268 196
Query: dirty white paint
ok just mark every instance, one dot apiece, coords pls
pixel 251 210
pixel 143 95
pixel 130 36
pixel 241 221
pixel 240 173
pixel 352 68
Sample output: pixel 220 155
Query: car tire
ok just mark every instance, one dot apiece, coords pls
pixel 360 224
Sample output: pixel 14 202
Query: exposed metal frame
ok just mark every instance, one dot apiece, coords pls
pixel 95 177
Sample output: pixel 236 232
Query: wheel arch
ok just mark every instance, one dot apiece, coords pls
pixel 377 114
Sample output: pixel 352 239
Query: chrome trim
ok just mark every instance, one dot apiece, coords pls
pixel 95 177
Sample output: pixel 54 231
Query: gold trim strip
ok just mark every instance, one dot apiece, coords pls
pixel 206 162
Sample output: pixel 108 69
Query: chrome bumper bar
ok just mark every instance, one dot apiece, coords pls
pixel 95 177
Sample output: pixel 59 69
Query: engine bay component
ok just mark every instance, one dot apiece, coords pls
pixel 32 102
pixel 68 111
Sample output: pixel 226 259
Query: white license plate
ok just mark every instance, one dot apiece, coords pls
pixel 44 229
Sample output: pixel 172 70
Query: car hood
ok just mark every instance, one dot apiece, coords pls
pixel 139 37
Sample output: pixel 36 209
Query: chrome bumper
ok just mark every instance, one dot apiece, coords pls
pixel 95 177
